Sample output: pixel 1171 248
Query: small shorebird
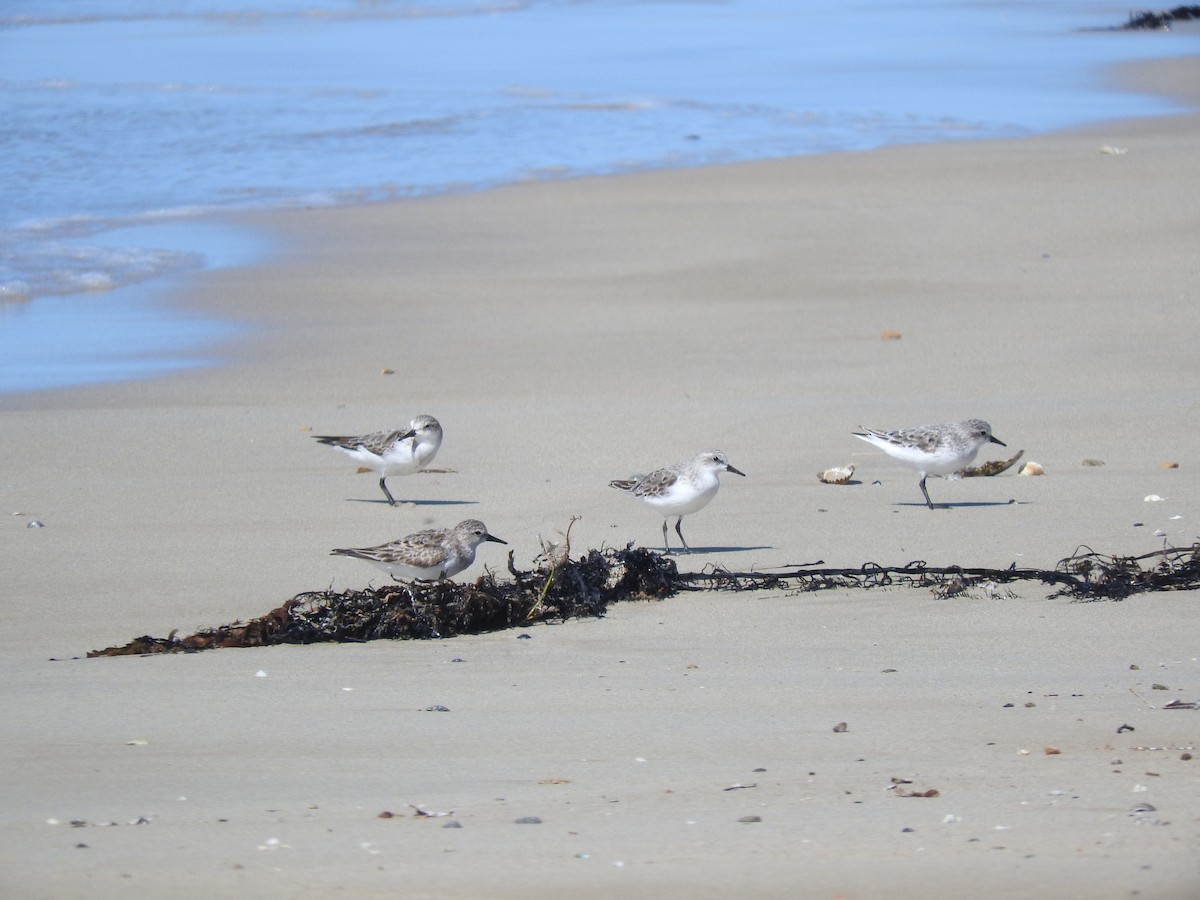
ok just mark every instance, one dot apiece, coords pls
pixel 392 452
pixel 427 555
pixel 933 449
pixel 680 489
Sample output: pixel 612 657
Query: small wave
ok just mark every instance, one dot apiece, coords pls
pixel 14 290
pixel 61 267
pixel 416 127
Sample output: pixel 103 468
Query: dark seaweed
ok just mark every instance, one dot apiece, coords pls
pixel 566 589
pixel 1149 20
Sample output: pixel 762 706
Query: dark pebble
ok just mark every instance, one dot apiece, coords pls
pixel 529 820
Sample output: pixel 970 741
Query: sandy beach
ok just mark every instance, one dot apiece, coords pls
pixel 566 334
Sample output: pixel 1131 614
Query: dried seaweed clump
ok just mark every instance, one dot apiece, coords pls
pixel 1098 576
pixel 1160 20
pixel 562 589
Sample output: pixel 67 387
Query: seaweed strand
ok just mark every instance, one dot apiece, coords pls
pixel 563 589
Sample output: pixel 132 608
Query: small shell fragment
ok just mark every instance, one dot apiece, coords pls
pixel 1168 465
pixel 1109 150
pixel 1032 468
pixel 890 336
pixel 836 476
pixel 1153 498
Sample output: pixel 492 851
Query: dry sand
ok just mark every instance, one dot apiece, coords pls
pixel 570 333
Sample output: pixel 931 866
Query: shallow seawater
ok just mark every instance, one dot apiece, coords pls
pixel 125 333
pixel 128 122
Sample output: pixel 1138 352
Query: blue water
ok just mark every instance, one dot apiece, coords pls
pixel 128 124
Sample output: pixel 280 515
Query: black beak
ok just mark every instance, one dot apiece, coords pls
pixel 729 468
pixel 996 440
pixel 492 537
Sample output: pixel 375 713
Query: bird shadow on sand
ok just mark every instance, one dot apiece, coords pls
pixel 400 503
pixel 696 551
pixel 966 504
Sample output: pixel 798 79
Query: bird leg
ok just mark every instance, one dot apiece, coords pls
pixel 386 492
pixel 926 493
pixel 666 546
pixel 679 531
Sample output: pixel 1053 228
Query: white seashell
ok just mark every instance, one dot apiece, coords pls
pixel 1114 151
pixel 836 476
pixel 1032 468
pixel 1153 498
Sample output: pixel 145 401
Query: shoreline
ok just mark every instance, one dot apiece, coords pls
pixel 568 333
pixel 1164 78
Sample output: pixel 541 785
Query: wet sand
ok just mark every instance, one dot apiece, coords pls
pixel 566 334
